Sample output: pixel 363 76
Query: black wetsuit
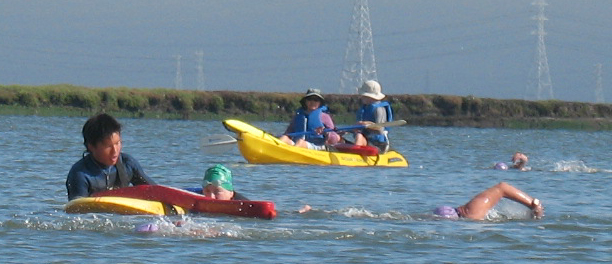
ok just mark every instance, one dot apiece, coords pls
pixel 88 176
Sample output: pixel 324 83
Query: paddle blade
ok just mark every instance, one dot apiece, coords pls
pixel 216 144
pixel 387 124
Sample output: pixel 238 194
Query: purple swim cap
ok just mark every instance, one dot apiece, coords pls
pixel 446 211
pixel 501 166
pixel 147 228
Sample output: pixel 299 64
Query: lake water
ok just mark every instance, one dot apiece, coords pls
pixel 360 215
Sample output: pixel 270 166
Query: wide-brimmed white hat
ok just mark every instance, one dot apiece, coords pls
pixel 371 89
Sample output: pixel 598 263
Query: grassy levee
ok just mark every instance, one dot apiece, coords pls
pixel 421 110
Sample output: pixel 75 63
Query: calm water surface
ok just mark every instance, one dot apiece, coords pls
pixel 360 215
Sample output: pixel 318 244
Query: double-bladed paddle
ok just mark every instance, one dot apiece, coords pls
pixel 222 143
pixel 354 127
pixel 219 143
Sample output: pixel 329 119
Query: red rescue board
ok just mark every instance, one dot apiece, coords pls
pixel 361 150
pixel 194 202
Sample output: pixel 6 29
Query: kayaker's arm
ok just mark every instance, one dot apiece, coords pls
pixel 331 136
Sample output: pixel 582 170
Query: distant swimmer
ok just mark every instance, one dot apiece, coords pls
pixel 479 206
pixel 519 161
pixel 501 166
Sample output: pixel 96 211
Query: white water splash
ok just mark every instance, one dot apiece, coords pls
pixel 573 166
pixel 364 213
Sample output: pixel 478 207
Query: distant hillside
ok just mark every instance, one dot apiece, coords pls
pixel 420 110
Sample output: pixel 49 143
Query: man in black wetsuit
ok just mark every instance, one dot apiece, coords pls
pixel 103 166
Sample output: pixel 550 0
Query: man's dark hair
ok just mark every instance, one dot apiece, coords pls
pixel 99 127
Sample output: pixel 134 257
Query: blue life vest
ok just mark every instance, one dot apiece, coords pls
pixel 303 123
pixel 368 113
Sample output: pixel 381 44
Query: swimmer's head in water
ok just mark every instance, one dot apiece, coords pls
pixel 218 175
pixel 500 166
pixel 446 211
pixel 147 228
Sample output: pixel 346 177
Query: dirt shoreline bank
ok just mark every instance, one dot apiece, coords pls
pixel 418 110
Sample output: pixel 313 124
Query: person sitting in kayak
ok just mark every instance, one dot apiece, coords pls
pixel 218 184
pixel 519 161
pixel 479 206
pixel 312 117
pixel 103 166
pixel 373 110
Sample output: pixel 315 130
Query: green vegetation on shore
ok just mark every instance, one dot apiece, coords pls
pixel 421 110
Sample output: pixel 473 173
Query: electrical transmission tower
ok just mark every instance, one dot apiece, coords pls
pixel 178 80
pixel 539 79
pixel 200 68
pixel 599 97
pixel 359 63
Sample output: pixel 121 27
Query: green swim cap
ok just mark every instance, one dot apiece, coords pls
pixel 218 175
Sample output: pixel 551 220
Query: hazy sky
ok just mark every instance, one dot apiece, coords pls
pixel 459 47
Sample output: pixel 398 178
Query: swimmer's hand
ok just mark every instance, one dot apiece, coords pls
pixel 304 209
pixel 537 209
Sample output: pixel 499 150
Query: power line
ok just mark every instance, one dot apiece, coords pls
pixel 359 62
pixel 599 96
pixel 200 69
pixel 178 80
pixel 539 78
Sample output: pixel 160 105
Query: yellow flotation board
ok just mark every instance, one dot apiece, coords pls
pixel 121 205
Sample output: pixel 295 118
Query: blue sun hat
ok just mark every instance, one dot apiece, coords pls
pixel 446 211
pixel 218 175
pixel 501 166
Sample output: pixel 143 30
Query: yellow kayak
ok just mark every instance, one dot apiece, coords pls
pixel 120 205
pixel 259 147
